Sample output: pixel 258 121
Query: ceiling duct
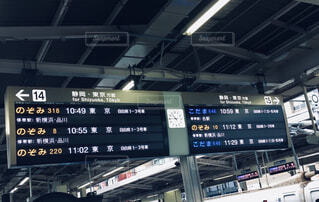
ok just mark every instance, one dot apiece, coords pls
pixel 171 15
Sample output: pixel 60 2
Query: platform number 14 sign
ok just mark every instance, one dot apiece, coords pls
pixel 268 100
pixel 39 96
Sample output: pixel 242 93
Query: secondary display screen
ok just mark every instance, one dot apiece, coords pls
pixel 235 128
pixel 60 133
pixel 247 176
pixel 282 168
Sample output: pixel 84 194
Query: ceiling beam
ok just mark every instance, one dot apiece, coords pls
pixel 159 178
pixel 284 25
pixel 309 58
pixel 172 10
pixel 3 147
pixel 238 53
pixel 2 136
pixel 253 32
pixel 2 127
pixel 139 186
pixel 217 163
pixel 89 49
pixel 60 32
pixel 59 15
pixel 314 2
pixel 152 74
pixel 108 21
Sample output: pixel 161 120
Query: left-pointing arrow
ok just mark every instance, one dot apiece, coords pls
pixel 20 95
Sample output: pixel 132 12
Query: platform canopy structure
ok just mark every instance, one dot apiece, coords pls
pixel 48 44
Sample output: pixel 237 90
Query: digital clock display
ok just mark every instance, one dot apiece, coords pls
pixel 235 128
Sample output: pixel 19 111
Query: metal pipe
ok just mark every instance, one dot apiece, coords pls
pixel 265 168
pixel 30 184
pixel 90 178
pixel 235 162
pixel 267 157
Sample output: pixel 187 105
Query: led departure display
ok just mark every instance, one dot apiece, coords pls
pixel 282 168
pixel 235 128
pixel 59 132
pixel 54 133
pixel 56 126
pixel 224 123
pixel 247 176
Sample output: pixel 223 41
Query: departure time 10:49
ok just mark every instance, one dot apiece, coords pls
pixel 72 110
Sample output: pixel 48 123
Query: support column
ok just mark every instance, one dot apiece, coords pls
pixel 191 179
pixel 294 152
pixel 310 110
pixel 239 184
pixel 258 169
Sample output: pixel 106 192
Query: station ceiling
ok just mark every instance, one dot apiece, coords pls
pixel 42 43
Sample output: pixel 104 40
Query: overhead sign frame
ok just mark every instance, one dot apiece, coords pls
pixel 174 104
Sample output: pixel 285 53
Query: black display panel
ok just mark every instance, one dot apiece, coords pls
pixel 235 128
pixel 57 126
pixel 281 168
pixel 66 133
pixel 247 176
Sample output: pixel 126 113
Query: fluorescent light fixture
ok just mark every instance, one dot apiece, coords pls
pixel 220 178
pixel 199 156
pixel 206 16
pixel 24 181
pixel 129 85
pixel 113 171
pixel 85 185
pixel 151 196
pixel 13 190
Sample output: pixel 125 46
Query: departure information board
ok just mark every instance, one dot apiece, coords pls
pixel 46 126
pixel 235 123
pixel 64 132
pixel 247 176
pixel 282 168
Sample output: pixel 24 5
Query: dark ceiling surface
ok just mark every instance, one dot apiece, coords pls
pixel 276 40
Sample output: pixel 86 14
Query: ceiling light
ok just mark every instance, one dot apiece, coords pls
pixel 84 185
pixel 113 171
pixel 151 196
pixel 206 16
pixel 129 85
pixel 199 156
pixel 13 190
pixel 24 181
pixel 220 178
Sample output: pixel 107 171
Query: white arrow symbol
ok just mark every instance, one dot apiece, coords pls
pixel 20 95
pixel 276 100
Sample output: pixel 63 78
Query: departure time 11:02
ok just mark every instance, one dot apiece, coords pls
pixel 78 150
